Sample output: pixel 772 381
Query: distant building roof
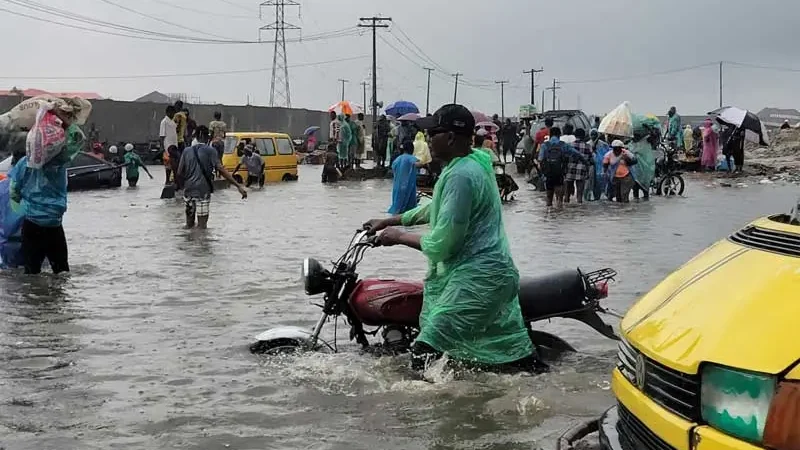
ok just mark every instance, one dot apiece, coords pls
pixel 774 117
pixel 155 97
pixel 35 92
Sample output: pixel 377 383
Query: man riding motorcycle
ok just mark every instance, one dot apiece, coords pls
pixel 470 309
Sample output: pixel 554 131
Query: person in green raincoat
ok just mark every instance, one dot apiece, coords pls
pixel 345 138
pixel 471 310
pixel 355 130
pixel 674 129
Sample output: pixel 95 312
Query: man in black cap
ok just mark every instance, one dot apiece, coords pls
pixel 471 311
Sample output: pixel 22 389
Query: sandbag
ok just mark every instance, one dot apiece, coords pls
pixel 618 122
pixel 23 116
pixel 46 139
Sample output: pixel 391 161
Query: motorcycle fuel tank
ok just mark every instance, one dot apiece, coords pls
pixel 387 302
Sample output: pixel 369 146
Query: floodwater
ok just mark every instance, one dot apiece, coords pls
pixel 144 344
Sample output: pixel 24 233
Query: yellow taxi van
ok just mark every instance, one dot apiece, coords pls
pixel 276 149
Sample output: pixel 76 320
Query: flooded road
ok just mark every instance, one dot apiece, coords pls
pixel 144 344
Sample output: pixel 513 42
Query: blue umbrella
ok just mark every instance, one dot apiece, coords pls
pixel 310 130
pixel 401 107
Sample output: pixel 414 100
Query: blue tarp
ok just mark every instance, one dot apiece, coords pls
pixel 10 229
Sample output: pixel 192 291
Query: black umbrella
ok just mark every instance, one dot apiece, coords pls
pixel 755 131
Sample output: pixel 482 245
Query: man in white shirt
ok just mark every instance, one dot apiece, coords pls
pixel 168 133
pixel 334 128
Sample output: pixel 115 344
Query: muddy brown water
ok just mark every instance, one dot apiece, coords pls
pixel 144 344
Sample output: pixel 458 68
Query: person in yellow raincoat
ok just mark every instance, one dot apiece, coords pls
pixel 688 138
pixel 421 150
pixel 471 310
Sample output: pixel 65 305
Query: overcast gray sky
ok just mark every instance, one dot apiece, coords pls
pixel 575 40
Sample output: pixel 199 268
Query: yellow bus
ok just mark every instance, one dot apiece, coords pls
pixel 276 149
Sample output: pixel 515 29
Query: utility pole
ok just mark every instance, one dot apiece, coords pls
pixel 554 89
pixel 533 73
pixel 455 92
pixel 364 85
pixel 502 98
pixel 279 87
pixel 720 84
pixel 343 82
pixel 374 23
pixel 543 105
pixel 428 95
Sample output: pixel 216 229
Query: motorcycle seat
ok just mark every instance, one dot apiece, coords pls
pixel 551 295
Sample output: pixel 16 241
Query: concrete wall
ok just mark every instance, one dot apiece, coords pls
pixel 138 122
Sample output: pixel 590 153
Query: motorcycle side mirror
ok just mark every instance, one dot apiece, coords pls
pixel 314 276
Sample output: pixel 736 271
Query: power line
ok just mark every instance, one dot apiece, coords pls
pixel 28 4
pixel 158 19
pixel 242 7
pixel 180 75
pixel 641 75
pixel 757 66
pixel 200 11
pixel 148 35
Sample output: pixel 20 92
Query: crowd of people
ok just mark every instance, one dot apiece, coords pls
pixel 348 137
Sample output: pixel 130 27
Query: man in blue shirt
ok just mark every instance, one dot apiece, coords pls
pixel 554 155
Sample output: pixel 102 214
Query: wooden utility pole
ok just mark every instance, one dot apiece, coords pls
pixel 455 92
pixel 502 98
pixel 554 88
pixel 374 23
pixel 720 84
pixel 364 85
pixel 533 73
pixel 428 95
pixel 343 82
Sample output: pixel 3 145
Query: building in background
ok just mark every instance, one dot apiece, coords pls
pixel 774 117
pixel 26 93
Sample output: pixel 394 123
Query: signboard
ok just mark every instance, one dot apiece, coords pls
pixel 527 111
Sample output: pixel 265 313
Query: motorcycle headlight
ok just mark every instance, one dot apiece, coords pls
pixel 736 402
pixel 315 277
pixel 499 170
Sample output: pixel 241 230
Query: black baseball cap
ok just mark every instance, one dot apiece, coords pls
pixel 452 117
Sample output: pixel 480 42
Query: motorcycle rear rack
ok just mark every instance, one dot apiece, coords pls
pixel 600 275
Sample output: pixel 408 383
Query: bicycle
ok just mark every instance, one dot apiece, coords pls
pixel 668 180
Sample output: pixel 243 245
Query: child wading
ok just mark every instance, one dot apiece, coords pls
pixel 132 164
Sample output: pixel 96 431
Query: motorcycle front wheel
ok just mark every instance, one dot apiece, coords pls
pixel 276 347
pixel 671 185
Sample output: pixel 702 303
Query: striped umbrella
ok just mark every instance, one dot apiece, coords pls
pixel 346 107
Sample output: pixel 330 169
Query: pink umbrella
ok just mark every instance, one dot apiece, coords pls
pixel 480 117
pixel 490 126
pixel 411 117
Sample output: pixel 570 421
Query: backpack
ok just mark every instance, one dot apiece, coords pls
pixel 554 160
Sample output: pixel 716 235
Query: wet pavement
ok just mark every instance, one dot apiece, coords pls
pixel 144 344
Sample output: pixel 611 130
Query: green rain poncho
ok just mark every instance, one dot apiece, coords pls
pixel 345 139
pixel 471 310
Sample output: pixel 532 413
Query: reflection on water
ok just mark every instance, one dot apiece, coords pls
pixel 144 344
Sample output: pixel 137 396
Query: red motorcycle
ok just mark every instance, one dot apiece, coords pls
pixel 392 307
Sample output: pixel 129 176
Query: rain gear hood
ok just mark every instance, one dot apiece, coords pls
pixel 421 150
pixel 404 189
pixel 345 138
pixel 471 309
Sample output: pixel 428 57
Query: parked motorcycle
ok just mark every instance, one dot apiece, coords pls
pixel 392 307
